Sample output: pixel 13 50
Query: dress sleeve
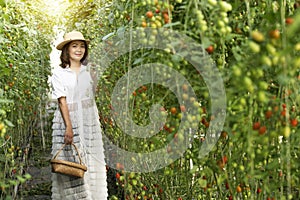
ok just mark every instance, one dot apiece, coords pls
pixel 58 89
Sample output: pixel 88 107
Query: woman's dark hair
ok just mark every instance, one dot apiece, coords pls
pixel 65 57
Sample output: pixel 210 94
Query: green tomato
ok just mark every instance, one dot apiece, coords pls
pixel 134 182
pixel 3 131
pixel 247 81
pixel 167 172
pixel 262 96
pixel 242 168
pixel 254 47
pixel 257 36
pixel 263 85
pixel 248 84
pixel 221 23
pixel 297 46
pixel 259 73
pixel 243 101
pixel 236 70
pixel 212 2
pixel 223 14
pixel 296 62
pixel 271 49
pixel 286 131
pixel 131 175
pixel 225 6
pixel 266 60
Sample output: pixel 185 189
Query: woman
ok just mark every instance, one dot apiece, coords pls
pixel 76 121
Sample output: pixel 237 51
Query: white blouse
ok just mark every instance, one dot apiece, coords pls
pixel 65 83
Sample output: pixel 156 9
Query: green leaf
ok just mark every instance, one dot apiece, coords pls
pixel 2 3
pixel 2 157
pixel 137 61
pixel 12 182
pixel 8 123
pixel 6 17
pixel 206 42
pixel 21 179
pixel 176 58
pixel 5 72
pixel 170 137
pixel 202 182
pixel 3 39
pixel 5 101
pixel 27 176
pixel 8 197
pixel 172 24
pixel 294 28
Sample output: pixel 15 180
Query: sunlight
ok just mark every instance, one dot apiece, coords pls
pixel 55 7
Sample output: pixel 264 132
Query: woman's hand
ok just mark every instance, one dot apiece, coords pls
pixel 68 136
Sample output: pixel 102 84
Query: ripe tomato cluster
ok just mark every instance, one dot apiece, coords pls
pixel 158 16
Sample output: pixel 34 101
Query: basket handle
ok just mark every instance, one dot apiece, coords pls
pixel 58 152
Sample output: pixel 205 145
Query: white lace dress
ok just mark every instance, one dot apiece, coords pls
pixel 78 90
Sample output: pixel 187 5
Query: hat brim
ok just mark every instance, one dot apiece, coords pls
pixel 62 44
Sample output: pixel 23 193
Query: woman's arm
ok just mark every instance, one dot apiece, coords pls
pixel 66 116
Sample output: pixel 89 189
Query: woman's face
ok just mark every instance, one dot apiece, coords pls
pixel 76 50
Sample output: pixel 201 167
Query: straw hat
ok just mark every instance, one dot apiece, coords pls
pixel 69 37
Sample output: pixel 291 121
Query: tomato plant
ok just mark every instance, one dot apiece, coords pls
pixel 24 70
pixel 255 47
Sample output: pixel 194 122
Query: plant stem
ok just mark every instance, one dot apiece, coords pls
pixel 187 16
pixel 248 15
pixel 250 150
pixel 285 93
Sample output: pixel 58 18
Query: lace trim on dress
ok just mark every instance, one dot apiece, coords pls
pixel 84 103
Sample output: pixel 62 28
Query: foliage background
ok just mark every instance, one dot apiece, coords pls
pixel 255 45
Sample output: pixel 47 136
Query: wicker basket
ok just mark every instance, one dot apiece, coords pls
pixel 67 167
